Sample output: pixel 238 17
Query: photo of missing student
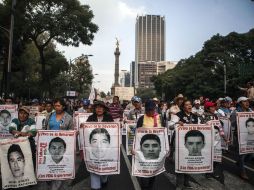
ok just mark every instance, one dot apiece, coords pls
pixel 130 128
pixel 226 125
pixel 151 148
pixel 194 148
pixel 7 113
pixel 245 126
pixel 16 163
pixel 101 147
pixel 56 155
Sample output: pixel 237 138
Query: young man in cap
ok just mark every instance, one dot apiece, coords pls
pixel 243 106
pixel 23 126
pixel 196 109
pixel 149 120
pixel 138 110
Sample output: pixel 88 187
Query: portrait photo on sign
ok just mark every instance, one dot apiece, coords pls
pixel 57 148
pixel 101 144
pixel 194 142
pixel 16 163
pixel 56 154
pixel 194 148
pixel 246 130
pixel 150 147
pixel 102 147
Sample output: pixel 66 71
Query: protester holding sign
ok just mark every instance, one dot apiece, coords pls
pixel 243 107
pixel 16 163
pixel 184 117
pixel 58 120
pixel 100 115
pixel 137 111
pixel 149 120
pixel 23 126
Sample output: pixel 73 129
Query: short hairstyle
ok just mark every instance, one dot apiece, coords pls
pixel 60 100
pixel 99 131
pixel 57 139
pixel 194 133
pixel 116 97
pixel 5 111
pixel 14 148
pixel 187 100
pixel 249 120
pixel 49 102
pixel 150 137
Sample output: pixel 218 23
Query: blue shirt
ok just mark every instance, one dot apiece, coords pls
pixel 53 123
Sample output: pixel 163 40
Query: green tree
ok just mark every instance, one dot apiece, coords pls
pixel 64 21
pixel 203 73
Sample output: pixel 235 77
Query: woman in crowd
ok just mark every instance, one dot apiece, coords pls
pixel 100 115
pixel 150 119
pixel 243 106
pixel 185 116
pixel 58 120
pixel 210 114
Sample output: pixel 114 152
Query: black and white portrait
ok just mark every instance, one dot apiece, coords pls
pixel 194 141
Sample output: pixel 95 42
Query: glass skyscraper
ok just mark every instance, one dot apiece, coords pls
pixel 149 46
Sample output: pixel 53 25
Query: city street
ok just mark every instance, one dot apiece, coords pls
pixel 164 181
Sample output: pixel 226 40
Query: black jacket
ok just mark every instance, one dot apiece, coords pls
pixel 106 118
pixel 188 119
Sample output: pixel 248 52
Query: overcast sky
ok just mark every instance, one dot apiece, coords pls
pixel 189 23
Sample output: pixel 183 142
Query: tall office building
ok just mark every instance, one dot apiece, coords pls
pixel 132 74
pixel 149 46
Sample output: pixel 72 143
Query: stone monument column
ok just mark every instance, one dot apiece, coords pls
pixel 117 54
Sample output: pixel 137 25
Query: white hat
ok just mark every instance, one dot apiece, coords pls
pixel 242 99
pixel 197 102
pixel 155 99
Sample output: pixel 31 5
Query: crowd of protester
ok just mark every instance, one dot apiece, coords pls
pixel 151 113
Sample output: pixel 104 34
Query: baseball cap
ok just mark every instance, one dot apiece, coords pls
pixel 27 110
pixel 150 105
pixel 209 104
pixel 136 99
pixel 242 99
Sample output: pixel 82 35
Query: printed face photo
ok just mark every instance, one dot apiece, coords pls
pixel 57 148
pixel 194 142
pixel 5 118
pixel 250 126
pixel 16 161
pixel 216 134
pixel 150 146
pixel 100 141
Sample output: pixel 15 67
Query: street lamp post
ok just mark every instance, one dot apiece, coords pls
pixel 85 57
pixel 224 73
pixel 10 47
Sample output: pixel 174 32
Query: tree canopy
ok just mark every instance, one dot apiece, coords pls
pixel 203 73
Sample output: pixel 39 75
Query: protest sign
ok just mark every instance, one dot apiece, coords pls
pixel 217 156
pixel 102 147
pixel 245 129
pixel 55 155
pixel 34 110
pixel 151 148
pixel 194 149
pixel 130 129
pixel 40 120
pixel 7 114
pixel 81 118
pixel 16 163
pixel 226 125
